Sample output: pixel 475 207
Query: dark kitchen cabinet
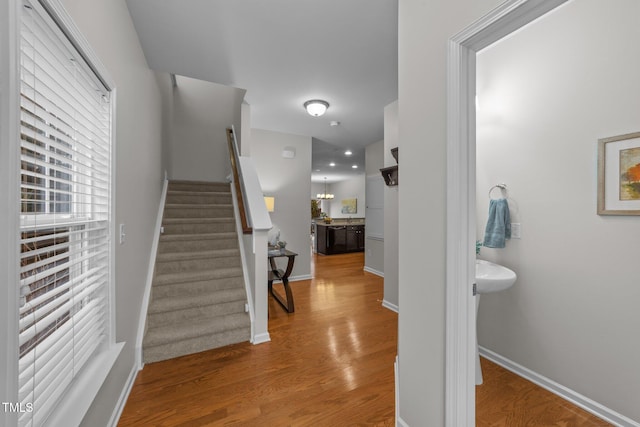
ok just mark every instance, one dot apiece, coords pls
pixel 337 239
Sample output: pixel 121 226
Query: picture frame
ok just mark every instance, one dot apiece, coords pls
pixel 619 175
pixel 349 206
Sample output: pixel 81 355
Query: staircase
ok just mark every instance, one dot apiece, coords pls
pixel 197 296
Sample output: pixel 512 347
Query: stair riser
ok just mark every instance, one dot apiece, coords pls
pixel 194 314
pixel 196 288
pixel 224 199
pixel 197 245
pixel 209 187
pixel 221 227
pixel 195 345
pixel 197 264
pixel 192 212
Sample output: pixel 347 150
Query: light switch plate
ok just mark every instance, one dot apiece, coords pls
pixel 122 234
pixel 515 230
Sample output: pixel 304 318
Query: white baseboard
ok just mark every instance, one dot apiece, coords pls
pixel 300 277
pixel 401 423
pixel 577 399
pixel 261 338
pixel 390 306
pixel 373 271
pixel 124 395
pixel 142 320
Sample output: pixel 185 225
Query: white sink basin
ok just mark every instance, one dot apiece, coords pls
pixel 492 277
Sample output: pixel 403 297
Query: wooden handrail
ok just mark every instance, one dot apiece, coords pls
pixel 233 156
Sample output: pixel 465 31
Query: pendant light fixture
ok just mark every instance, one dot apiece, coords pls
pixel 316 107
pixel 325 195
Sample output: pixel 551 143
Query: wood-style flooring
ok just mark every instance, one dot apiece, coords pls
pixel 328 364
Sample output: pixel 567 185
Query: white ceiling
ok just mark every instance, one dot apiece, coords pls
pixel 285 52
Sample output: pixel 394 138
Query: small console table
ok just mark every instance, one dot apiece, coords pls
pixel 276 273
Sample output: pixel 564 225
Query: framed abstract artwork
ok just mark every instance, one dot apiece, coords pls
pixel 619 175
pixel 349 206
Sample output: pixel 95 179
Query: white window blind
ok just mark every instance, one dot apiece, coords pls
pixel 65 124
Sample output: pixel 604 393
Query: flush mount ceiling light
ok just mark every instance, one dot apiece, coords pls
pixel 316 107
pixel 348 153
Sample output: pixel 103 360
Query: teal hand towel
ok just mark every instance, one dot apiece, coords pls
pixel 498 224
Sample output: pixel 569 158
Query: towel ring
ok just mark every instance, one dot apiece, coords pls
pixel 502 187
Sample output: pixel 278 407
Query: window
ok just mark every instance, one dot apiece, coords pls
pixel 65 253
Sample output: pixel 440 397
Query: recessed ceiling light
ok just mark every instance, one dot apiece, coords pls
pixel 355 166
pixel 334 123
pixel 348 153
pixel 332 164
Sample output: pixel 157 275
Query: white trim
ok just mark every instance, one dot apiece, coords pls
pixel 566 393
pixel 77 400
pixel 122 400
pixel 9 199
pixel 460 306
pixel 300 277
pixel 63 19
pixel 390 306
pixel 142 320
pixel 243 257
pixel 373 271
pixel 261 338
pixel 400 423
pixel 460 325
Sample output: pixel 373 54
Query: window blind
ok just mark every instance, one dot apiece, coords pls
pixel 65 127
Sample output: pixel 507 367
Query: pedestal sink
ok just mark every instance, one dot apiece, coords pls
pixel 490 278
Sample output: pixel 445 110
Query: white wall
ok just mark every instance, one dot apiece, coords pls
pixel 107 26
pixel 347 189
pixel 374 233
pixel 545 97
pixel 202 111
pixel 289 181
pixel 424 29
pixel 391 237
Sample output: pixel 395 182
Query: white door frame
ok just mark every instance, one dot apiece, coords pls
pixel 461 201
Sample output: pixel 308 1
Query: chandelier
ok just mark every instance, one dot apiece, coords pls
pixel 325 195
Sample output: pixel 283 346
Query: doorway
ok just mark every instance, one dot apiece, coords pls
pixel 461 187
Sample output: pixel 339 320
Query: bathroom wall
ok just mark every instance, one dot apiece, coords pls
pixel 545 97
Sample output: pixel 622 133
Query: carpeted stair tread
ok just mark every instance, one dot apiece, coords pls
pixel 199 236
pixel 180 289
pixel 197 205
pixel 199 187
pixel 182 256
pixel 159 305
pixel 196 276
pixel 198 225
pixel 195 345
pixel 190 242
pixel 185 330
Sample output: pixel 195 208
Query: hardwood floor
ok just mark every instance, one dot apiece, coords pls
pixel 328 364
pixel 506 399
